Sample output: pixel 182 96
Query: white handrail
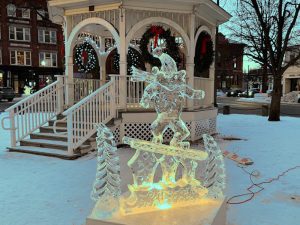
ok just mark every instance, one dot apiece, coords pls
pixel 30 97
pixel 84 87
pixel 134 91
pixel 95 108
pixel 86 99
pixel 36 110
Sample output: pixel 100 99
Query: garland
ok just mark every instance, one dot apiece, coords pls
pixel 171 46
pixel 85 57
pixel 204 54
pixel 134 58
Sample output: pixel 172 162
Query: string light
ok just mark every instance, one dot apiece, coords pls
pixel 134 58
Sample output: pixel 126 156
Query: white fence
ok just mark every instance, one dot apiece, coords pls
pixel 98 107
pixel 85 87
pixel 132 90
pixel 34 111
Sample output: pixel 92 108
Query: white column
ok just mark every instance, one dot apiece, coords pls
pixel 102 62
pixel 123 59
pixel 190 58
pixel 210 99
pixel 69 97
pixel 60 93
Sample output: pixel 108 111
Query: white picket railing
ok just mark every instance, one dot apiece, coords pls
pixel 134 91
pixel 85 87
pixel 98 107
pixel 36 110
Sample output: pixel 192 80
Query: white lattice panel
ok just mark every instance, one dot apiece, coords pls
pixel 143 131
pixel 116 133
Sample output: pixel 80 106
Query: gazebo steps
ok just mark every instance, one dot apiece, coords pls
pixel 50 152
pixel 56 137
pixel 61 145
pixel 50 129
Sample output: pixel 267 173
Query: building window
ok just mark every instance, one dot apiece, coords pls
pixel 234 63
pixel 48 59
pixel 21 58
pixel 47 36
pixel 11 10
pixel 26 13
pixel 19 33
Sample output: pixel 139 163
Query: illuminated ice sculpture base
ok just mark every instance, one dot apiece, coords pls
pixel 207 211
pixel 146 194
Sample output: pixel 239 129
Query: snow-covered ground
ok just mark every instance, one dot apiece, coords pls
pixel 37 190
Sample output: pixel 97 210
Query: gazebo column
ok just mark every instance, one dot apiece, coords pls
pixel 123 60
pixel 212 72
pixel 190 58
pixel 69 96
pixel 102 62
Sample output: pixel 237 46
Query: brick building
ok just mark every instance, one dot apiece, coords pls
pixel 31 49
pixel 229 68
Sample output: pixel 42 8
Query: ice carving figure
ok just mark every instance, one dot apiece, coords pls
pixel 166 93
pixel 106 187
pixel 215 170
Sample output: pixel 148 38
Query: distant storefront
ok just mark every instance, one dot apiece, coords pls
pixel 18 77
pixel 291 82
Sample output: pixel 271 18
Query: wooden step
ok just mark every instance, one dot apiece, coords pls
pixel 49 136
pixel 49 129
pixel 58 124
pixel 62 145
pixel 44 152
pixel 56 137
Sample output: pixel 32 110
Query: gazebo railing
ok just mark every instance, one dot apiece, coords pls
pixel 36 110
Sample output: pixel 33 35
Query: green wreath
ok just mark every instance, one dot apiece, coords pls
pixel 204 53
pixel 85 57
pixel 171 46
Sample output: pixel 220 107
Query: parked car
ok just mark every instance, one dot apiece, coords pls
pixel 220 93
pixel 7 93
pixel 250 93
pixel 233 93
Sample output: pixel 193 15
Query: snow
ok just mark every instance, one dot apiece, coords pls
pixel 37 190
pixel 257 100
pixel 274 148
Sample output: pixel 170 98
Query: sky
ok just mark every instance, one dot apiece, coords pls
pixel 230 6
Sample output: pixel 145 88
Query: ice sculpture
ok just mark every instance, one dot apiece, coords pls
pixel 106 187
pixel 164 176
pixel 166 92
pixel 215 171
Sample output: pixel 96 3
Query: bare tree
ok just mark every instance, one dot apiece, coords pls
pixel 269 28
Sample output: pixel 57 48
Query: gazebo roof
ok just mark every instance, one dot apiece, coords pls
pixel 205 8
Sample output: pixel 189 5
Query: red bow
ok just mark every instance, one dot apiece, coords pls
pixel 157 30
pixel 84 56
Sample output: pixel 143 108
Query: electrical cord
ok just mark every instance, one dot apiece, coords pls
pixel 251 194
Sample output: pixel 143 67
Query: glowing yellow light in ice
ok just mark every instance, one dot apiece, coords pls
pixel 155 186
pixel 164 206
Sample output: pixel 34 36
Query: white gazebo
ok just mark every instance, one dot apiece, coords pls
pixel 84 102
